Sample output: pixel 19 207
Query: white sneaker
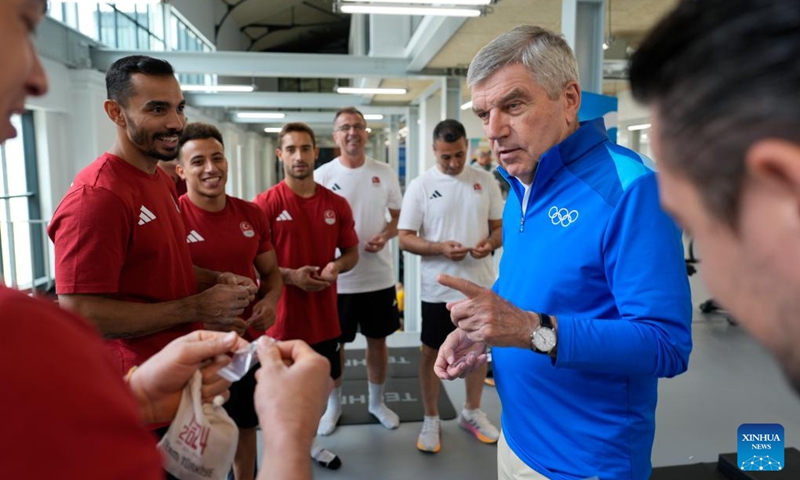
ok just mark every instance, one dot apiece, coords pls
pixel 476 422
pixel 325 457
pixel 429 439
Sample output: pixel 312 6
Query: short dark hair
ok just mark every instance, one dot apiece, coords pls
pixel 449 131
pixel 350 110
pixel 198 131
pixel 118 76
pixel 296 127
pixel 722 75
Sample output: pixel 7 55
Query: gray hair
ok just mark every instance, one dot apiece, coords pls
pixel 544 53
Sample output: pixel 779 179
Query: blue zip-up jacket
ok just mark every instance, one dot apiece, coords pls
pixel 595 250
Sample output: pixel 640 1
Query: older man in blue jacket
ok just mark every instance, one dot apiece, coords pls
pixel 592 304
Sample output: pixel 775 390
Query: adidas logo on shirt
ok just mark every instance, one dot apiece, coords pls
pixel 283 217
pixel 336 187
pixel 194 237
pixel 435 194
pixel 145 215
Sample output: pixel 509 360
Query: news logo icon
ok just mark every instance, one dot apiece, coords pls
pixel 760 447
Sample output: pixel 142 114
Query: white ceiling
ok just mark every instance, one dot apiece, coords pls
pixel 309 25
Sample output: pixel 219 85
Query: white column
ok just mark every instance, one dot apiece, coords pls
pixel 393 149
pixel 582 24
pixel 411 270
pixel 451 98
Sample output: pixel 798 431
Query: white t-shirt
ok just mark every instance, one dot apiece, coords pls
pixel 371 190
pixel 441 207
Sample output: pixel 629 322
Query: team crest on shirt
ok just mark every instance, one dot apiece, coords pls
pixel 247 230
pixel 330 217
pixel 477 187
pixel 376 180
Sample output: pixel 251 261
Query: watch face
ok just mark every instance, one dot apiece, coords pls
pixel 545 339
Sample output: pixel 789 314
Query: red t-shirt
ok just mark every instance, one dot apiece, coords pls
pixel 69 414
pixel 228 240
pixel 307 231
pixel 118 232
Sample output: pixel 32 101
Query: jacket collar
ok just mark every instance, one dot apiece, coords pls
pixel 588 135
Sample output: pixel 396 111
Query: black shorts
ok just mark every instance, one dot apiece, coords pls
pixel 240 406
pixel 330 350
pixel 436 324
pixel 374 314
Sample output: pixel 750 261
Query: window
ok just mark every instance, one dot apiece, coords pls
pixel 87 17
pixel 136 27
pixel 126 32
pixel 123 26
pixel 108 26
pixel 23 244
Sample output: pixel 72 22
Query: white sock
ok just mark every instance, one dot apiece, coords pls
pixel 469 413
pixel 327 424
pixel 377 407
pixel 375 394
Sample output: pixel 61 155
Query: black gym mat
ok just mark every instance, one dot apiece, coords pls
pixel 791 469
pixel 726 469
pixel 401 394
pixel 696 471
pixel 403 363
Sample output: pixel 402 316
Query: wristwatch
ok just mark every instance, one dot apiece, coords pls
pixel 543 337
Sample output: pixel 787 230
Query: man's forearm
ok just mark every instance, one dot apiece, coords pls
pixel 285 456
pixel 286 275
pixel 205 278
pixel 391 228
pixel 496 238
pixel 271 285
pixel 347 260
pixel 418 245
pixel 118 319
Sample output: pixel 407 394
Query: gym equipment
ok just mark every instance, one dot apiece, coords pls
pixel 709 306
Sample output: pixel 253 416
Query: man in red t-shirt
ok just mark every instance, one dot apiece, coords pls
pixel 309 222
pixel 121 254
pixel 58 381
pixel 229 234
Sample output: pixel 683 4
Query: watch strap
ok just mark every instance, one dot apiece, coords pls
pixel 546 321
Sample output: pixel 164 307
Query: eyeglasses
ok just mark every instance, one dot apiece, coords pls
pixel 359 127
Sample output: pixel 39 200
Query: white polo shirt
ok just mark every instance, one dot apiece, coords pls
pixel 371 190
pixel 441 207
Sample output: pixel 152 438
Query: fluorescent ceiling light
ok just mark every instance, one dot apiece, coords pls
pixel 642 126
pixel 467 105
pixel 260 115
pixel 406 10
pixel 372 91
pixel 273 130
pixel 217 88
pixel 427 2
pixel 118 2
pixel 373 116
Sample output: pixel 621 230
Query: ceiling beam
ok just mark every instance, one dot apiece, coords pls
pixel 429 38
pixel 260 64
pixel 317 118
pixel 265 100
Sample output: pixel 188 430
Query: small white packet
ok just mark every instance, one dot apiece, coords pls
pixel 242 361
pixel 201 442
